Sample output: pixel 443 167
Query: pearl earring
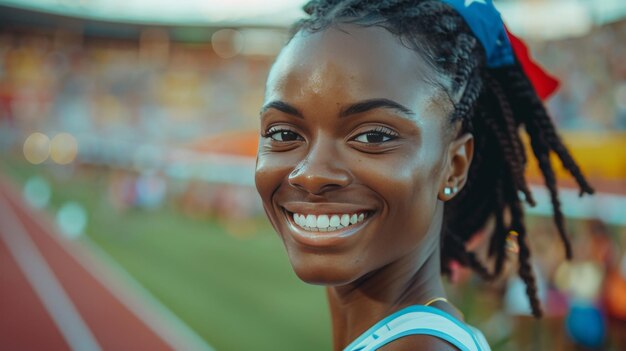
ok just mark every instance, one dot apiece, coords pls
pixel 449 191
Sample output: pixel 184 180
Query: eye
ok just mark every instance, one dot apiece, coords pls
pixel 283 135
pixel 376 136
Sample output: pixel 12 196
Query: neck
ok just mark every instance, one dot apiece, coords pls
pixel 410 280
pixel 357 307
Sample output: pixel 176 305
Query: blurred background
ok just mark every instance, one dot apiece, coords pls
pixel 127 206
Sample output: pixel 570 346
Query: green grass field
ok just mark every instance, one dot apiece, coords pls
pixel 238 292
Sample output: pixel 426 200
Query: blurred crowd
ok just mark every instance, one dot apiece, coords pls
pixel 592 71
pixel 142 90
pixel 137 105
pixel 151 89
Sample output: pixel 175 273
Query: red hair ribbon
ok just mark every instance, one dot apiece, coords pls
pixel 543 83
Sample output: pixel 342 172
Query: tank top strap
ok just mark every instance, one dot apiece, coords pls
pixel 419 319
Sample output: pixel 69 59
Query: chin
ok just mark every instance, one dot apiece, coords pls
pixel 322 270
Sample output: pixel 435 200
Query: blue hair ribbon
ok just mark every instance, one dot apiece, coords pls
pixel 486 23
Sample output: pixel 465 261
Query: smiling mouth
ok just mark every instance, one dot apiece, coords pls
pixel 327 222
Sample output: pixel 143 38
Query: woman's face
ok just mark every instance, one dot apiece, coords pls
pixel 354 153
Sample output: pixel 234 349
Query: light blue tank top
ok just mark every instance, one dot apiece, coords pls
pixel 419 319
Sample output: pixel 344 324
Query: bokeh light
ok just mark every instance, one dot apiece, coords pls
pixel 63 148
pixel 37 192
pixel 37 148
pixel 151 190
pixel 227 43
pixel 72 219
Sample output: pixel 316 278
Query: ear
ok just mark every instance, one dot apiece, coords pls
pixel 458 161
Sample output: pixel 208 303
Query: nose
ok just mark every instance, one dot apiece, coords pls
pixel 320 171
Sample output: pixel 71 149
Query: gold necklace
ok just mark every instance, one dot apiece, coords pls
pixel 435 299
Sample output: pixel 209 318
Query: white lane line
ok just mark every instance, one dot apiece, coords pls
pixel 44 283
pixel 139 300
pixel 112 276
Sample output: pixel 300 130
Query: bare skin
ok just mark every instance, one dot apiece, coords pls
pixel 350 126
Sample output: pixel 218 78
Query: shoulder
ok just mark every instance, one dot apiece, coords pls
pixel 420 342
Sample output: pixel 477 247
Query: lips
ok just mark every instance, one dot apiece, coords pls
pixel 325 224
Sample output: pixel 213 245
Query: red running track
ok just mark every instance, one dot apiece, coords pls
pixel 52 297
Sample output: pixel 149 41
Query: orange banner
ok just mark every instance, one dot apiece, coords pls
pixel 599 155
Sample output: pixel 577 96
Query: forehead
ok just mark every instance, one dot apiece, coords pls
pixel 350 62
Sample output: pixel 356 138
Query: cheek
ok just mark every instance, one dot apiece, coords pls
pixel 407 185
pixel 268 175
pixel 401 179
pixel 272 171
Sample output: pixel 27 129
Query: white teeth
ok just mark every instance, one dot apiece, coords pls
pixel 345 220
pixel 311 221
pixel 296 218
pixel 353 219
pixel 334 221
pixel 327 223
pixel 322 221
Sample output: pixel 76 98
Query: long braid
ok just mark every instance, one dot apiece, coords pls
pixel 515 143
pixel 498 241
pixel 542 153
pixel 544 140
pixel 467 258
pixel 525 268
pixel 544 122
pixel 492 104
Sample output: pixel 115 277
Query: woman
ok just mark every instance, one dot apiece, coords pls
pixel 389 137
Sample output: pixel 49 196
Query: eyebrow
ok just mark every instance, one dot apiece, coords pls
pixel 371 104
pixel 359 107
pixel 283 107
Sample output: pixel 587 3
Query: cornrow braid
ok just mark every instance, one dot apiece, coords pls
pixel 492 104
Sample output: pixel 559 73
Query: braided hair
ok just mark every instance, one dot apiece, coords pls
pixel 493 104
